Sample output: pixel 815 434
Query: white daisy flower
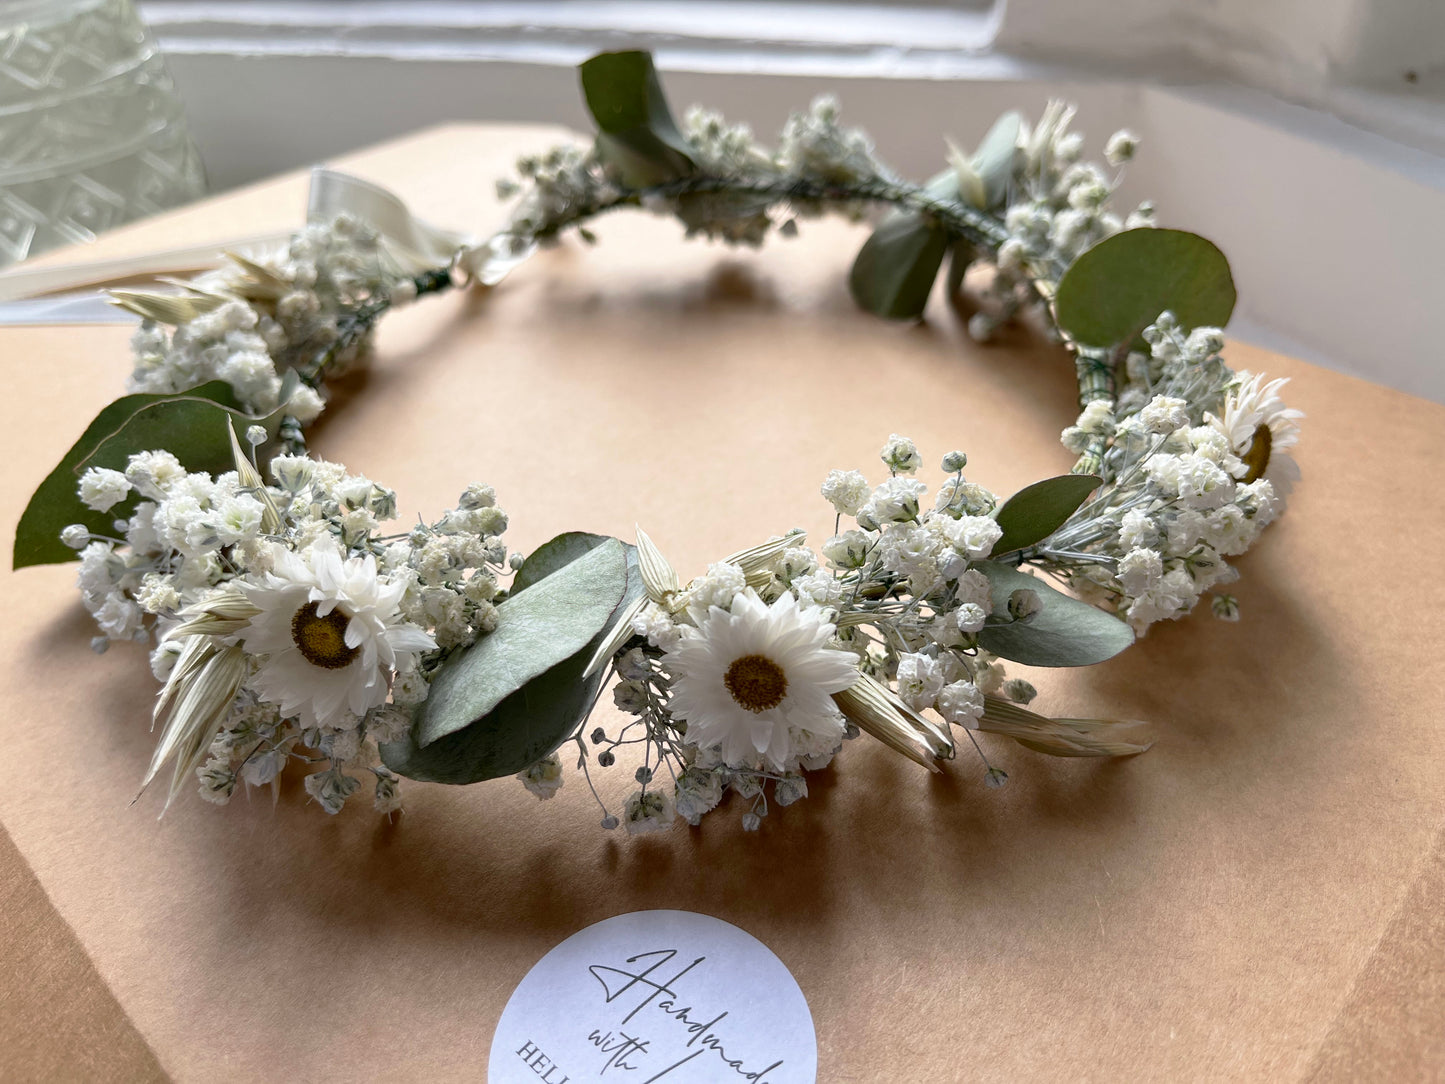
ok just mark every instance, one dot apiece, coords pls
pixel 746 677
pixel 1261 430
pixel 329 633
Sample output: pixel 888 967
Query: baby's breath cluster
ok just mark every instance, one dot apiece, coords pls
pixel 1197 464
pixel 740 193
pixel 332 628
pixel 251 321
pixel 1059 205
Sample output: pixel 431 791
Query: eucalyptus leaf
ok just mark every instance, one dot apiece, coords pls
pixel 532 721
pixel 191 425
pixel 555 555
pixel 1038 510
pixel 637 133
pixel 1066 632
pixel 893 273
pixel 943 185
pixel 526 726
pixel 1120 286
pixel 994 160
pixel 537 628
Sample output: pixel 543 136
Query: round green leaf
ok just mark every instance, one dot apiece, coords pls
pixel 1066 632
pixel 538 628
pixel 1037 511
pixel 637 133
pixel 555 555
pixel 532 721
pixel 894 271
pixel 1120 286
pixel 518 732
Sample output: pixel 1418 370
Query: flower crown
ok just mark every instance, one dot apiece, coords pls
pixel 288 627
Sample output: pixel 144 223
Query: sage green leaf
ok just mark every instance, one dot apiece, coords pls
pixel 1037 511
pixel 191 425
pixel 537 628
pixel 943 185
pixel 994 160
pixel 1120 286
pixel 893 258
pixel 532 721
pixel 636 132
pixel 553 556
pixel 893 273
pixel 1066 632
pixel 527 725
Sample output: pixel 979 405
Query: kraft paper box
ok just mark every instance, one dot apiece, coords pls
pixel 1257 897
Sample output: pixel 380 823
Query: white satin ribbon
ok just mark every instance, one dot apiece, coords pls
pixel 89 307
pixel 414 245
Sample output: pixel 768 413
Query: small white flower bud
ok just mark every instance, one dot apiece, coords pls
pixel 1024 604
pixel 790 789
pixel 76 536
pixel 1019 691
pixel 954 462
pixel 847 550
pixel 255 435
pixel 1121 147
pixel 293 473
pixel 631 697
pixel 477 496
pixel 1225 607
pixel 981 327
pixel 101 488
pixel 1011 255
pixel 900 455
pixel 633 665
pixel 1141 216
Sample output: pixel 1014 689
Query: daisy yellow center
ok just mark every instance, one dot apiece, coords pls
pixel 756 682
pixel 1257 457
pixel 322 640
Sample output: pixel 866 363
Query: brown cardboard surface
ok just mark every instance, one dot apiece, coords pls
pixel 1255 898
pixel 58 1019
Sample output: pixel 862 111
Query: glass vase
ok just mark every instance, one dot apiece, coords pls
pixel 92 133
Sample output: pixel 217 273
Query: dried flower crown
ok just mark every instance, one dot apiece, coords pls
pixel 289 628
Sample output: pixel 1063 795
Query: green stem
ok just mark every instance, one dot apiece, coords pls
pixel 956 218
pixel 1095 372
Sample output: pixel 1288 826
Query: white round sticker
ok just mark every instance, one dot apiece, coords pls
pixel 667 996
